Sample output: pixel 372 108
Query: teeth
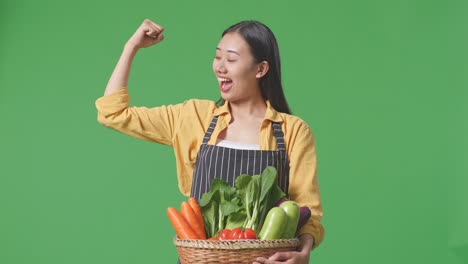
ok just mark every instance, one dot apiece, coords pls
pixel 224 79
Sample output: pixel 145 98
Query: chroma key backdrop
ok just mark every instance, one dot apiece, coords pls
pixel 382 84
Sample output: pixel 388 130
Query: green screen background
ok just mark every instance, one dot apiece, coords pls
pixel 381 83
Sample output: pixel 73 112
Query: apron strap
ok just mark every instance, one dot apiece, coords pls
pixel 209 131
pixel 279 135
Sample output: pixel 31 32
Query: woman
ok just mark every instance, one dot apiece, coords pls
pixel 250 128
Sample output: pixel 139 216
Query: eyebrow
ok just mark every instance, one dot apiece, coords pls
pixel 232 51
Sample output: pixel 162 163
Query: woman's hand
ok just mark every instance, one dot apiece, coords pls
pixel 148 34
pixel 293 257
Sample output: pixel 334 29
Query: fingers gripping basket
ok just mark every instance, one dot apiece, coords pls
pixel 230 251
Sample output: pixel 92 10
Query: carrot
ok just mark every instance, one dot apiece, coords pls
pixel 182 228
pixel 191 218
pixel 196 209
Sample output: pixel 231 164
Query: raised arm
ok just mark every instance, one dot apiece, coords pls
pixel 155 124
pixel 148 34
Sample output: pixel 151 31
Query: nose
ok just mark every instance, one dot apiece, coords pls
pixel 219 66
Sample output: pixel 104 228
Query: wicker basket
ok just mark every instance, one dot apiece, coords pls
pixel 230 251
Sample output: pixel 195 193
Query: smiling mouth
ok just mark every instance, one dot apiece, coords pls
pixel 224 80
pixel 225 84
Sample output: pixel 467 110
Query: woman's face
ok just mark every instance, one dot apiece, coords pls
pixel 235 69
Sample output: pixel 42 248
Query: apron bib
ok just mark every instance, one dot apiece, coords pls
pixel 228 163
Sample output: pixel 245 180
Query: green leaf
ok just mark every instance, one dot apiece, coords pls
pixel 242 181
pixel 268 179
pixel 235 220
pixel 210 217
pixel 208 196
pixel 254 188
pixel 242 184
pixel 229 207
pixel 275 195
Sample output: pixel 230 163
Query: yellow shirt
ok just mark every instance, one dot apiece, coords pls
pixel 183 125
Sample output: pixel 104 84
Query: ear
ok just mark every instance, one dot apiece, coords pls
pixel 262 69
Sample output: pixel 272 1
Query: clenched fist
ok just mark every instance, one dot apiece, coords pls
pixel 148 34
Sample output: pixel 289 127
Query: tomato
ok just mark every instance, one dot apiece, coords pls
pixel 243 233
pixel 237 233
pixel 225 234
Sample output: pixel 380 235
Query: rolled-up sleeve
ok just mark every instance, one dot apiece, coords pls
pixel 304 187
pixel 155 124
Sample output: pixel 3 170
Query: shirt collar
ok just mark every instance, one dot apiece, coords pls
pixel 271 113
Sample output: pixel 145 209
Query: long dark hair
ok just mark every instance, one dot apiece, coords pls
pixel 263 45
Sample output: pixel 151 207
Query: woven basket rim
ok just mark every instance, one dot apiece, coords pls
pixel 236 244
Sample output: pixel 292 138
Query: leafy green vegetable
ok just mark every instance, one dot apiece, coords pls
pixel 218 204
pixel 260 196
pixel 235 220
pixel 244 205
pixel 210 217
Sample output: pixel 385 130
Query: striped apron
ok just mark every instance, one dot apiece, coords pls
pixel 227 163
